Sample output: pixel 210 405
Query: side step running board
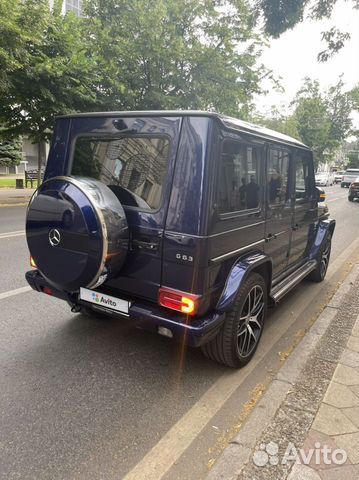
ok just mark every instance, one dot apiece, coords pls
pixel 289 282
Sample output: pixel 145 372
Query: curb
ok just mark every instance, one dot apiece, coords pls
pixel 237 454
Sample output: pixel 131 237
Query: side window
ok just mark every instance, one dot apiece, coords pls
pixel 278 169
pixel 302 175
pixel 238 177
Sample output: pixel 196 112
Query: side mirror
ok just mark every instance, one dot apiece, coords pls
pixel 321 196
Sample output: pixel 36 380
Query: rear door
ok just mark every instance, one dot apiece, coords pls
pixel 135 158
pixel 305 204
pixel 279 207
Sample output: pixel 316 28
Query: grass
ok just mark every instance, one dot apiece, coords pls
pixel 11 183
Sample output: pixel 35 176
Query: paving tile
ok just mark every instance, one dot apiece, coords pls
pixel 340 396
pixel 332 421
pixel 343 472
pixel 350 443
pixel 316 441
pixel 302 472
pixel 349 358
pixel 346 375
pixel 355 331
pixel 352 414
pixel 353 344
pixel 355 389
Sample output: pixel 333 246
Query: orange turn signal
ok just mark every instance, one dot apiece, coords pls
pixel 32 262
pixel 179 301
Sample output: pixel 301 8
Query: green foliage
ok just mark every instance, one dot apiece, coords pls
pixel 353 159
pixel 10 152
pixel 321 120
pixel 138 54
pixel 282 15
pixel 279 123
pixel 166 54
pixel 44 64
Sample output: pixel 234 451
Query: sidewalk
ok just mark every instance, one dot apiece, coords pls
pixel 13 196
pixel 336 424
pixel 306 425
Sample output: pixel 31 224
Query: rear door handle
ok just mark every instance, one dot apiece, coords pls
pixel 142 245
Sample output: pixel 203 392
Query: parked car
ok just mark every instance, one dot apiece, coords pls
pixel 324 179
pixel 349 176
pixel 338 176
pixel 229 222
pixel 353 190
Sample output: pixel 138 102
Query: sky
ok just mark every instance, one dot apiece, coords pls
pixel 294 56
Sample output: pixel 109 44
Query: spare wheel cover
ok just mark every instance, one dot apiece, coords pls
pixel 77 232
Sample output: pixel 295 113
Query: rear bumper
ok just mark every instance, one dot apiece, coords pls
pixel 148 316
pixel 353 193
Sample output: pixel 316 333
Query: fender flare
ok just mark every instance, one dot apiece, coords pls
pixel 324 228
pixel 238 274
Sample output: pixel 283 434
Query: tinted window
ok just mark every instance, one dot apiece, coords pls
pixel 238 177
pixel 133 167
pixel 278 169
pixel 302 176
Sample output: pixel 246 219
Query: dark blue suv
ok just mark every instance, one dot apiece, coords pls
pixel 188 223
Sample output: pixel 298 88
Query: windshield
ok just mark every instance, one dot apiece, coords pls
pixel 134 168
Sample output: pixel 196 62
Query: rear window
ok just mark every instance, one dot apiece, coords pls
pixel 134 168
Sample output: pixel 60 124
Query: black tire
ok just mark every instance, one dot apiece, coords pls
pixel 350 198
pixel 319 273
pixel 225 348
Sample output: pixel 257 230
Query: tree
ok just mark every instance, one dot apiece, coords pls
pixel 163 54
pixel 323 119
pixel 281 15
pixel 46 68
pixel 353 159
pixel 10 152
pixel 279 122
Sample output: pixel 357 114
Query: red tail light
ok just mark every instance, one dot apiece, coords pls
pixel 179 301
pixel 47 290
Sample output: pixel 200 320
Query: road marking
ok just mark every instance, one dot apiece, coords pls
pixel 18 233
pixel 17 291
pixel 158 461
pixel 22 204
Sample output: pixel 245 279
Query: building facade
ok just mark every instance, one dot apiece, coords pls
pixel 69 6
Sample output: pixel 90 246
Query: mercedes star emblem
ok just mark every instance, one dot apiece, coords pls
pixel 54 237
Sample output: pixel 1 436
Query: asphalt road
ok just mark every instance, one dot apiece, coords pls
pixel 83 398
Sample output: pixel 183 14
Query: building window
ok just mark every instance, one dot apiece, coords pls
pixel 73 6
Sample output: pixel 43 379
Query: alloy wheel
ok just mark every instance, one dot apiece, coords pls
pixel 251 321
pixel 325 259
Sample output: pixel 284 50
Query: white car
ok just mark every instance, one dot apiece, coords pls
pixel 324 179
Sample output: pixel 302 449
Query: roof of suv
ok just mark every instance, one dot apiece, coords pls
pixel 229 122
